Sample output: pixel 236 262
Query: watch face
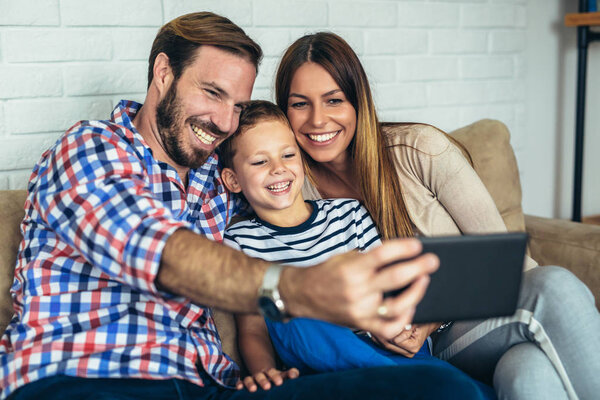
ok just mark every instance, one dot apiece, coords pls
pixel 269 309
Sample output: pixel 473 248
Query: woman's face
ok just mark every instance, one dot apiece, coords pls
pixel 323 120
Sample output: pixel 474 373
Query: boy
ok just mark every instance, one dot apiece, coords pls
pixel 263 161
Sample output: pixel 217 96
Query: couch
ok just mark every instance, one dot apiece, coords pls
pixel 552 242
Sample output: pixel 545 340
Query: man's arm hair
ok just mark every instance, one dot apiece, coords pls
pixel 210 273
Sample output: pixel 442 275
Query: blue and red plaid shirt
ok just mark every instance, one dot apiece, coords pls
pixel 99 212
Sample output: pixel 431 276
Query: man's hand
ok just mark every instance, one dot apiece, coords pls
pixel 348 289
pixel 264 379
pixel 409 341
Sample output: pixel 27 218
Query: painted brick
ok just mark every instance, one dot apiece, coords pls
pixel 507 41
pixel 273 41
pixel 4 180
pixel 266 73
pixel 98 79
pixel 2 120
pixel 445 118
pixel 29 12
pixel 354 37
pixel 133 43
pixel 18 180
pixel 380 70
pixel 53 115
pixel 238 11
pixel 403 95
pixel 501 112
pixel 427 68
pixel 456 93
pixel 487 67
pixel 57 45
pixel 504 91
pixel 290 13
pixel 263 94
pixel 24 152
pixel 30 81
pixel 491 16
pixel 362 13
pixel 429 15
pixel 458 41
pixel 111 13
pixel 396 41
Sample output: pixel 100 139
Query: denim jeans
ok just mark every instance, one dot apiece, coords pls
pixel 396 382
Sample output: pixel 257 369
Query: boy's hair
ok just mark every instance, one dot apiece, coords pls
pixel 254 112
pixel 180 38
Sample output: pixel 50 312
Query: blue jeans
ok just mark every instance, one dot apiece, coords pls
pixel 397 382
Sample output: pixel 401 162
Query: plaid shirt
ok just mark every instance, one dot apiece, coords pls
pixel 99 212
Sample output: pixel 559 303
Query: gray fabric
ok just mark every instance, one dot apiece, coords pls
pixel 539 383
pixel 556 312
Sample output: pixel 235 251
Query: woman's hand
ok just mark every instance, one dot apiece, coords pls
pixel 265 378
pixel 409 341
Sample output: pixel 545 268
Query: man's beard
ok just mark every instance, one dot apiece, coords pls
pixel 172 129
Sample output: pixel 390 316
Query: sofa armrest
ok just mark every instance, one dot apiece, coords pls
pixel 572 245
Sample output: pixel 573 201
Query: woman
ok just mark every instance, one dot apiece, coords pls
pixel 414 179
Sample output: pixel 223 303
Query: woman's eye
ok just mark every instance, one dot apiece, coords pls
pixel 298 104
pixel 335 101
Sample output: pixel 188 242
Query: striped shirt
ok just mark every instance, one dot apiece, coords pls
pixel 99 211
pixel 335 226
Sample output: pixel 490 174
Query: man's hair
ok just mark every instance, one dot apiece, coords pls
pixel 254 112
pixel 180 38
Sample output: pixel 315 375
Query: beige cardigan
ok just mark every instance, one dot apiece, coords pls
pixel 442 192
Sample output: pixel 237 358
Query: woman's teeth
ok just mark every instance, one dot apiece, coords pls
pixel 203 136
pixel 279 187
pixel 323 137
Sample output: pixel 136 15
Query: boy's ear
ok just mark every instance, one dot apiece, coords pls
pixel 230 180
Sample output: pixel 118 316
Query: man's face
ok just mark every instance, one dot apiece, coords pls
pixel 201 108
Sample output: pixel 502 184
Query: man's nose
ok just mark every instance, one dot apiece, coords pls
pixel 225 118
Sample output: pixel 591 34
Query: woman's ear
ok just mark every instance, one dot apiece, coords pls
pixel 230 180
pixel 163 74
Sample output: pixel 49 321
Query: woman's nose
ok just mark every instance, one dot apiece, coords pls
pixel 318 116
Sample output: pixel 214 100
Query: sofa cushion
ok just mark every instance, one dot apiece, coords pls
pixel 488 143
pixel 11 214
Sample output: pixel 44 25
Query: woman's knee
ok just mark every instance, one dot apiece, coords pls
pixel 556 283
pixel 524 372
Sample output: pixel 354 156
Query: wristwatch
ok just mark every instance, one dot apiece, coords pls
pixel 270 303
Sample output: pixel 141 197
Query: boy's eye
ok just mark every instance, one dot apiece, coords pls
pixel 289 155
pixel 259 162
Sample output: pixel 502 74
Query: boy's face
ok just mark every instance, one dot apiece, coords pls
pixel 268 169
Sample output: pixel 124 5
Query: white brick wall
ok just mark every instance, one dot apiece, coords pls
pixel 446 62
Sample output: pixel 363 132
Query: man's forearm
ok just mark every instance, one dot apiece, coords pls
pixel 210 273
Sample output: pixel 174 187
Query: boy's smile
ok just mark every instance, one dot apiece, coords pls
pixel 269 171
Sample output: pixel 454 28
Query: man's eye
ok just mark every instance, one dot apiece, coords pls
pixel 212 93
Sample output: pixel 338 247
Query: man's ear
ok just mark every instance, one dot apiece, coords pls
pixel 230 180
pixel 163 74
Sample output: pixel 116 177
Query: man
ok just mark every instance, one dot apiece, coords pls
pixel 120 260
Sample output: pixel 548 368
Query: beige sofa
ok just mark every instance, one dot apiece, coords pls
pixel 552 241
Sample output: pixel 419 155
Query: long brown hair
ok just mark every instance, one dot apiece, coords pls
pixel 373 166
pixel 180 38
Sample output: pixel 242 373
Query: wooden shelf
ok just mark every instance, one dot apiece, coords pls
pixel 583 19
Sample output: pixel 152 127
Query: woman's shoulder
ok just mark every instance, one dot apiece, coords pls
pixel 420 137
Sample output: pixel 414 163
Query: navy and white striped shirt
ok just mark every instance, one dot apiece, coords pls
pixel 335 226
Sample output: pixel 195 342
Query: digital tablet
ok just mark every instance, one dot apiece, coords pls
pixel 479 277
